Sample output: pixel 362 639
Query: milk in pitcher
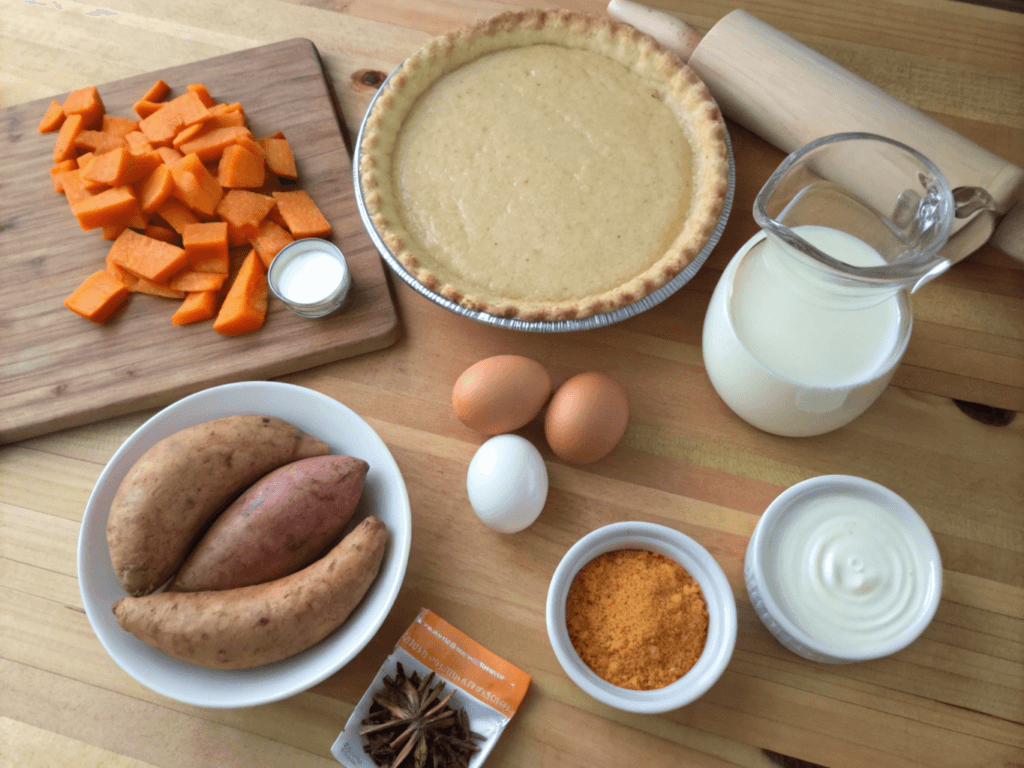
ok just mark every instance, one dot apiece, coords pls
pixel 791 360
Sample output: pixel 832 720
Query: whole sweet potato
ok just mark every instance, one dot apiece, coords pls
pixel 175 489
pixel 280 524
pixel 263 623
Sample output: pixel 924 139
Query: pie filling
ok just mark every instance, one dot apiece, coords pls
pixel 544 165
pixel 542 173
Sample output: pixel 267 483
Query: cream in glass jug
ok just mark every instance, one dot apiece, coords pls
pixel 811 317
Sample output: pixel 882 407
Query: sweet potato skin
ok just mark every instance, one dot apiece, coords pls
pixel 177 487
pixel 280 524
pixel 251 626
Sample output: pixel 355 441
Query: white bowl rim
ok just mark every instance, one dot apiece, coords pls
pixel 245 688
pixel 722 625
pixel 918 529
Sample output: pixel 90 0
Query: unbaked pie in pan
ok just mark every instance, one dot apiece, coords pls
pixel 544 165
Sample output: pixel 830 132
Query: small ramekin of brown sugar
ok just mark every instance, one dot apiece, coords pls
pixel 641 617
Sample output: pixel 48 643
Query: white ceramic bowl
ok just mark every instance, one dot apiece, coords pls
pixel 864 622
pixel 384 495
pixel 700 565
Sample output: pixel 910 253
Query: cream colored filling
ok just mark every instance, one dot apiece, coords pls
pixel 542 173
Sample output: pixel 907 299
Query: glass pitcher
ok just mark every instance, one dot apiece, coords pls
pixel 811 317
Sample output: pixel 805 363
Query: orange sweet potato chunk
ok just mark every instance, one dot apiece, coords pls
pixel 53 119
pixel 119 126
pixel 59 168
pixel 176 214
pixel 97 297
pixel 144 108
pixel 196 307
pixel 157 92
pixel 204 95
pixel 163 125
pixel 301 215
pixel 64 148
pixel 85 102
pixel 195 186
pixel 270 239
pixel 208 145
pixel 107 207
pixel 206 244
pixel 156 189
pixel 192 281
pixel 243 211
pixel 99 142
pixel 280 159
pixel 245 306
pixel 146 257
pixel 158 232
pixel 75 189
pixel 240 169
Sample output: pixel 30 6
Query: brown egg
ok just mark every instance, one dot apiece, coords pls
pixel 501 394
pixel 586 418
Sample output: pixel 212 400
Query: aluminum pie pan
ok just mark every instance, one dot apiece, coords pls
pixel 537 326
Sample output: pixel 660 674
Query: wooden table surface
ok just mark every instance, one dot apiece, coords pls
pixel 943 436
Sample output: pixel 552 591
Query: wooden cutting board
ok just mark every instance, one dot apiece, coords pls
pixel 58 370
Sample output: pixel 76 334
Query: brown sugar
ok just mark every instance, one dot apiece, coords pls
pixel 636 618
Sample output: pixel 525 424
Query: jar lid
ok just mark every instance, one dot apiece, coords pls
pixel 841 569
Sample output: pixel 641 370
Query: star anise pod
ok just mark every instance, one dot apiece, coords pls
pixel 427 728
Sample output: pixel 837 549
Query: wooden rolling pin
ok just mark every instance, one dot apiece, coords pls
pixel 789 94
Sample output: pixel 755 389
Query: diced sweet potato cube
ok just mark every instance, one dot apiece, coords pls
pixel 146 257
pixel 87 103
pixel 156 188
pixel 166 234
pixel 104 207
pixel 53 118
pixel 74 189
pixel 243 211
pixel 58 169
pixel 270 239
pixel 163 125
pixel 191 281
pixel 245 307
pixel 137 142
pixel 176 214
pixel 196 307
pixel 280 159
pixel 65 149
pixel 119 126
pixel 119 167
pixel 97 297
pixel 301 215
pixel 204 95
pixel 144 108
pixel 157 92
pixel 208 145
pixel 99 142
pixel 195 186
pixel 240 169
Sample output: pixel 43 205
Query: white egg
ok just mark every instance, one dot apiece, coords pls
pixel 507 483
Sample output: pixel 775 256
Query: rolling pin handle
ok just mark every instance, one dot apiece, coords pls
pixel 672 34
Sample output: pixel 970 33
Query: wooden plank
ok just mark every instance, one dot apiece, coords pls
pixel 59 370
pixel 109 728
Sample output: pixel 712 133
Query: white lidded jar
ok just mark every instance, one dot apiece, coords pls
pixel 841 569
pixel 811 317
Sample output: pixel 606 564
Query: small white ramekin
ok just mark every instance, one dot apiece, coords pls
pixel 336 291
pixel 760 571
pixel 705 571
